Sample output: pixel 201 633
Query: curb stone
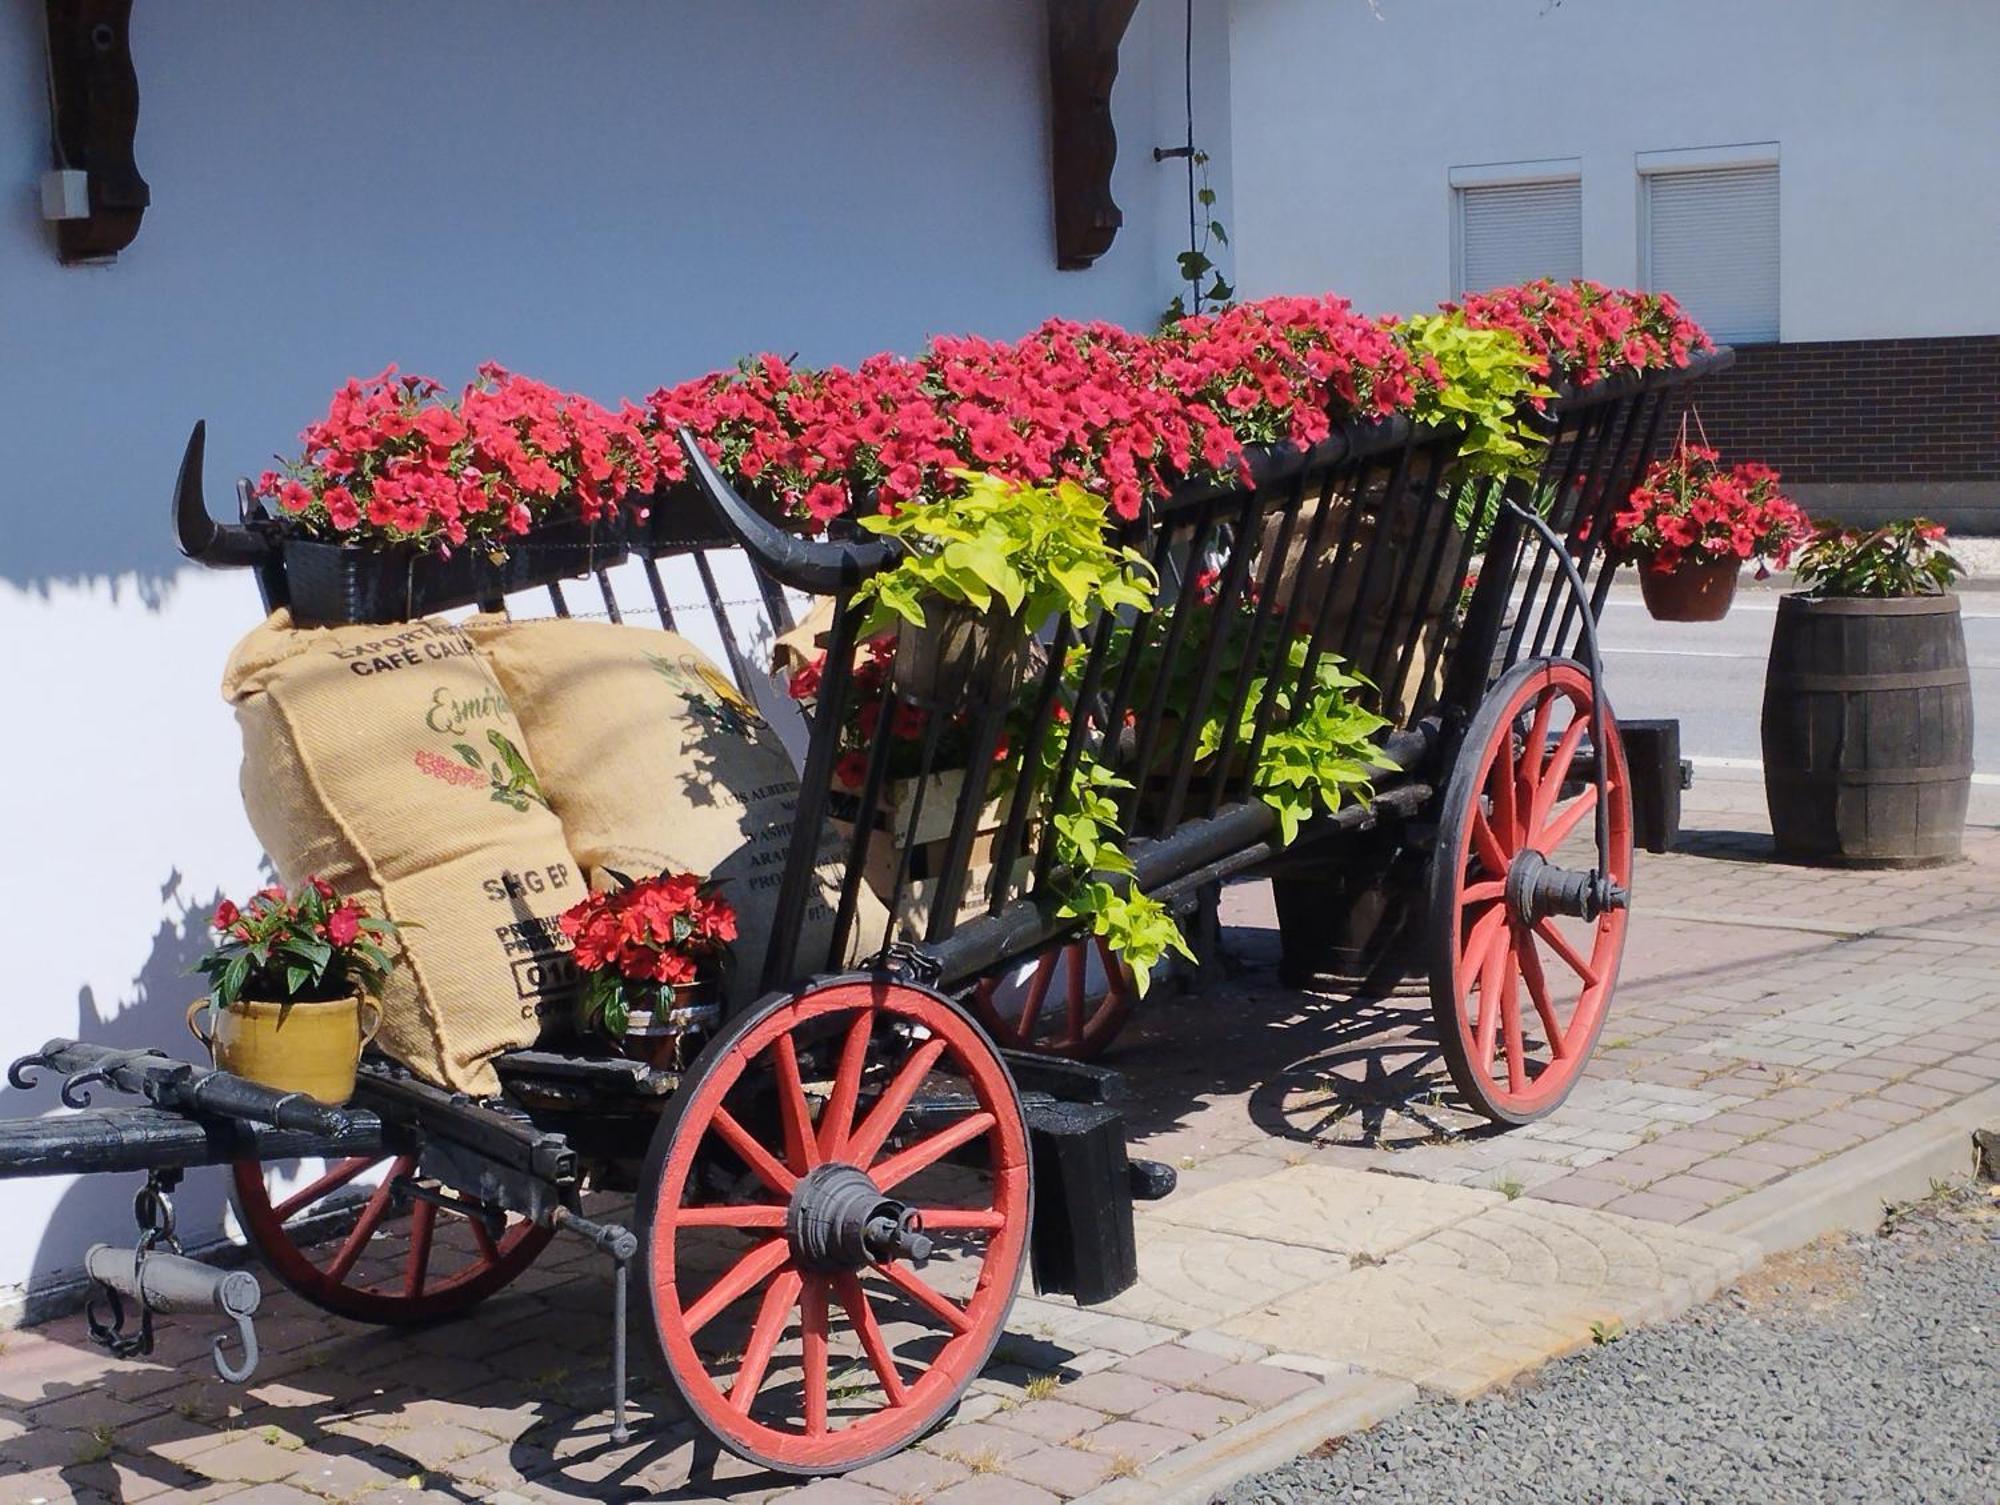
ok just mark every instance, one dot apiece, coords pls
pixel 1850 1190
pixel 1196 1475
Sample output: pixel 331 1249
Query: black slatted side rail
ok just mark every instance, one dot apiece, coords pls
pixel 1370 517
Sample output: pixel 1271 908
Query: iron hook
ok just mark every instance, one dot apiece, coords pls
pixel 236 1375
pixel 19 1075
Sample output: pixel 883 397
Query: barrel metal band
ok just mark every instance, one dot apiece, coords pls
pixel 1920 679
pixel 1944 773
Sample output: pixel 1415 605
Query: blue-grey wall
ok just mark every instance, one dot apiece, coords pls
pixel 607 195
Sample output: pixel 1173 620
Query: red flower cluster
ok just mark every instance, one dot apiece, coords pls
pixel 308 943
pixel 657 930
pixel 397 461
pixel 1125 415
pixel 1691 503
pixel 1584 331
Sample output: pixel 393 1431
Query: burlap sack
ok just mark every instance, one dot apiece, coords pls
pixel 1413 536
pixel 654 762
pixel 387 760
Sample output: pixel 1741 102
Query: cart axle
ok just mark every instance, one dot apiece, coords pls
pixel 839 1220
pixel 1537 888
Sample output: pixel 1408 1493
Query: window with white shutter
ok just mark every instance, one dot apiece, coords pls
pixel 1710 237
pixel 1511 231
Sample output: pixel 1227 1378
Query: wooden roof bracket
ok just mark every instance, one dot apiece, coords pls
pixel 1084 36
pixel 94 105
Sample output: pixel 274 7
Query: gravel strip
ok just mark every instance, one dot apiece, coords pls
pixel 1862 1368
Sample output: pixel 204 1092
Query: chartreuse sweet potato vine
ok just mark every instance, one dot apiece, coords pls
pixel 1483 382
pixel 1317 753
pixel 1134 924
pixel 1037 550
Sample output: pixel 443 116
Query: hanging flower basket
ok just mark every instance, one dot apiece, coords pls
pixel 1698 589
pixel 1693 523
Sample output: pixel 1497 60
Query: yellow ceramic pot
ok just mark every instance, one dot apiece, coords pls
pixel 291 1047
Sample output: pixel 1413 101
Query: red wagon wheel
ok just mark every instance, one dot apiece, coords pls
pixel 438 1264
pixel 1076 1023
pixel 835 1212
pixel 1519 987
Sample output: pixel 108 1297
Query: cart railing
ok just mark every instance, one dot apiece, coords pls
pixel 1357 548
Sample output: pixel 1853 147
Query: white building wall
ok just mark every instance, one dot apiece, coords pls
pixel 607 195
pixel 1347 116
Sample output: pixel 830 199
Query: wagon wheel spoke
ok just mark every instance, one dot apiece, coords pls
pixel 1510 1020
pixel 761 1161
pixel 1490 984
pixel 732 1215
pixel 1480 940
pixel 327 1184
pixel 1549 788
pixel 772 1313
pixel 1077 965
pixel 962 1219
pixel 836 1119
pixel 905 1163
pixel 921 1291
pixel 1558 830
pixel 1504 791
pixel 812 1339
pixel 1534 749
pixel 483 1237
pixel 1484 891
pixel 422 1222
pixel 1486 846
pixel 801 1140
pixel 371 1214
pixel 745 1275
pixel 854 1297
pixel 1538 990
pixel 881 1121
pixel 1038 992
pixel 1559 943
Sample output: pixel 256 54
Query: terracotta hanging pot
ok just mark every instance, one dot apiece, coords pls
pixel 1698 589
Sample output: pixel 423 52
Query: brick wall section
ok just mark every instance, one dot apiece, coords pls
pixel 1889 411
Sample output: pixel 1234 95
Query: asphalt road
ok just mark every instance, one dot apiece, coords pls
pixel 1711 674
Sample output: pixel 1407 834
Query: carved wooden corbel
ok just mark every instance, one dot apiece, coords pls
pixel 1083 64
pixel 96 92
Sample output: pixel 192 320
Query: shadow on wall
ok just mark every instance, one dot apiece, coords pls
pixel 99 1207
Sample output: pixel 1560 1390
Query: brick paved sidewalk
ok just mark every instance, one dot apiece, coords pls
pixel 1768 1018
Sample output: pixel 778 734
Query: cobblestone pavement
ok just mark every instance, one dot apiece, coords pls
pixel 1768 1018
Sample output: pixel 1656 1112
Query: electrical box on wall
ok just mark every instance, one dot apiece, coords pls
pixel 65 194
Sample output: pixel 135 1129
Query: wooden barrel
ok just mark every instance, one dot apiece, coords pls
pixel 1868 730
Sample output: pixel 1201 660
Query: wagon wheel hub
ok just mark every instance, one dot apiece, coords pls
pixel 1538 888
pixel 839 1220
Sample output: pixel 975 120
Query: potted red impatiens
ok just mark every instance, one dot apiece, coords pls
pixel 651 953
pixel 294 987
pixel 1693 522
